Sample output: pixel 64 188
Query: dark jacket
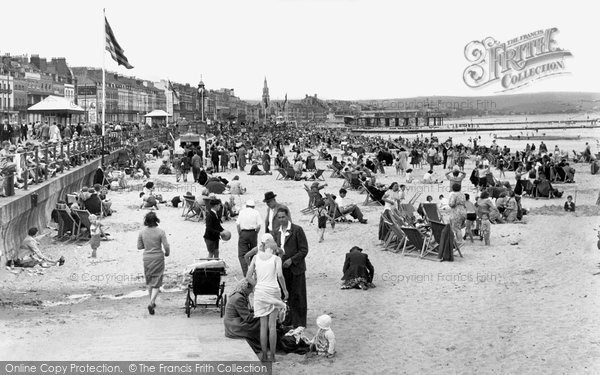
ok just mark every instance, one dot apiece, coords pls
pixel 93 204
pixel 356 265
pixel 213 226
pixel 275 224
pixel 295 247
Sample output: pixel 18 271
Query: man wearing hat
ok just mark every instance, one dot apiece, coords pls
pixel 248 226
pixel 271 222
pixel 212 234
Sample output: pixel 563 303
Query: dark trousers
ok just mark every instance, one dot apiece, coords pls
pixel 215 164
pixel 196 173
pixel 354 211
pixel 246 242
pixel 296 286
pixel 213 248
pixel 445 160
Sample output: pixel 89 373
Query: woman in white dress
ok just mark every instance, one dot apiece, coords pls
pixel 403 162
pixel 266 266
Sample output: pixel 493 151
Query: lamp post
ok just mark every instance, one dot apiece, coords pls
pixel 201 95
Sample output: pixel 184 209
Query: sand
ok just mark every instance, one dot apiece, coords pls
pixel 526 304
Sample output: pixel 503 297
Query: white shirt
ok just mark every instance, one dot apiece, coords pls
pixel 271 216
pixel 284 233
pixel 249 219
pixel 339 201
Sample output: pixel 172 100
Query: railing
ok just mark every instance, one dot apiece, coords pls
pixel 42 162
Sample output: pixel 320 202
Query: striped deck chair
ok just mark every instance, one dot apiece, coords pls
pixel 84 223
pixel 421 242
pixel 437 228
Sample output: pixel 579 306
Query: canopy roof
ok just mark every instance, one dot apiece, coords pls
pixel 56 104
pixel 158 113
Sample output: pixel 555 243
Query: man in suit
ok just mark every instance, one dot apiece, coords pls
pixel 271 222
pixel 212 235
pixel 358 270
pixel 292 239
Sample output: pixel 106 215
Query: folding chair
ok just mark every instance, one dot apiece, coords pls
pixel 318 176
pixel 290 174
pixel 84 222
pixel 420 242
pixel 369 199
pixel 282 175
pixel 335 212
pixel 431 212
pixel 437 228
pixel 336 172
pixel 414 198
pixel 311 202
pixel 192 209
pixel 67 224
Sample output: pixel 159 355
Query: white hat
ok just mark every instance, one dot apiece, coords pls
pixel 266 237
pixel 324 321
pixel 250 203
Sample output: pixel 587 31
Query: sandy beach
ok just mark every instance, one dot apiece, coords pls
pixel 526 304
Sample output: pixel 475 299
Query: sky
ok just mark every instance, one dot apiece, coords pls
pixel 337 49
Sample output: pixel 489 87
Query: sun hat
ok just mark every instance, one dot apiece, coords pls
pixel 324 322
pixel 266 237
pixel 456 168
pixel 93 217
pixel 250 203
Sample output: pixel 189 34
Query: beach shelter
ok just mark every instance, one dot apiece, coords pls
pixel 56 109
pixel 157 116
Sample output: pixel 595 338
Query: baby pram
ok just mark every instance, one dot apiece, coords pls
pixel 206 281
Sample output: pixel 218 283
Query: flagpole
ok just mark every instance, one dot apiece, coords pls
pixel 104 73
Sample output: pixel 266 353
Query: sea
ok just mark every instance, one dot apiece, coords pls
pixel 486 136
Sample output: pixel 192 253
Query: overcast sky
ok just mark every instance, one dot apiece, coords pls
pixel 338 49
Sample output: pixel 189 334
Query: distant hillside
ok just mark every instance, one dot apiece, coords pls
pixel 525 104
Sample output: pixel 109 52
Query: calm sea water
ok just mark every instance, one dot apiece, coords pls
pixel 590 135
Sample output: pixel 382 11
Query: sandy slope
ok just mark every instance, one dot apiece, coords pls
pixel 527 304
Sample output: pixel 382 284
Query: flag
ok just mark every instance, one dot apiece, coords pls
pixel 171 88
pixel 112 46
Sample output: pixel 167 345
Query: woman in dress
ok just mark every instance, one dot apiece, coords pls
pixel 152 240
pixel 393 197
pixel 267 268
pixel 458 213
pixel 403 160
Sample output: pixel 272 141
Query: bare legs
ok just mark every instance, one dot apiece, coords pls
pixel 152 293
pixel 268 333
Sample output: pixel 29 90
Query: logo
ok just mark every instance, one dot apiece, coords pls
pixel 515 63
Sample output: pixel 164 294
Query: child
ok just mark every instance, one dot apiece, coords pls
pixel 96 232
pixel 569 205
pixel 409 178
pixel 484 213
pixel 324 341
pixel 471 217
pixel 322 216
pixel 501 164
pixel 397 165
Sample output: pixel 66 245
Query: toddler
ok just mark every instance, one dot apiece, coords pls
pixel 96 232
pixel 324 341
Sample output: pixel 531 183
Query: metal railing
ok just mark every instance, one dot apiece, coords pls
pixel 39 163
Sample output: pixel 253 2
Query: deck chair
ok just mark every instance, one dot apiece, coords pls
pixel 67 223
pixel 414 198
pixel 192 210
pixel 335 212
pixel 437 228
pixel 290 174
pixel 336 173
pixel 491 181
pixel 543 189
pixel 282 175
pixel 318 176
pixel 311 202
pixel 369 199
pixel 84 223
pixel 421 243
pixel 407 212
pixel 431 212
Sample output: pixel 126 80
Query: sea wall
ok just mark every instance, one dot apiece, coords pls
pixel 33 209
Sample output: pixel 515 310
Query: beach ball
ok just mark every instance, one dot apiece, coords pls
pixel 225 235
